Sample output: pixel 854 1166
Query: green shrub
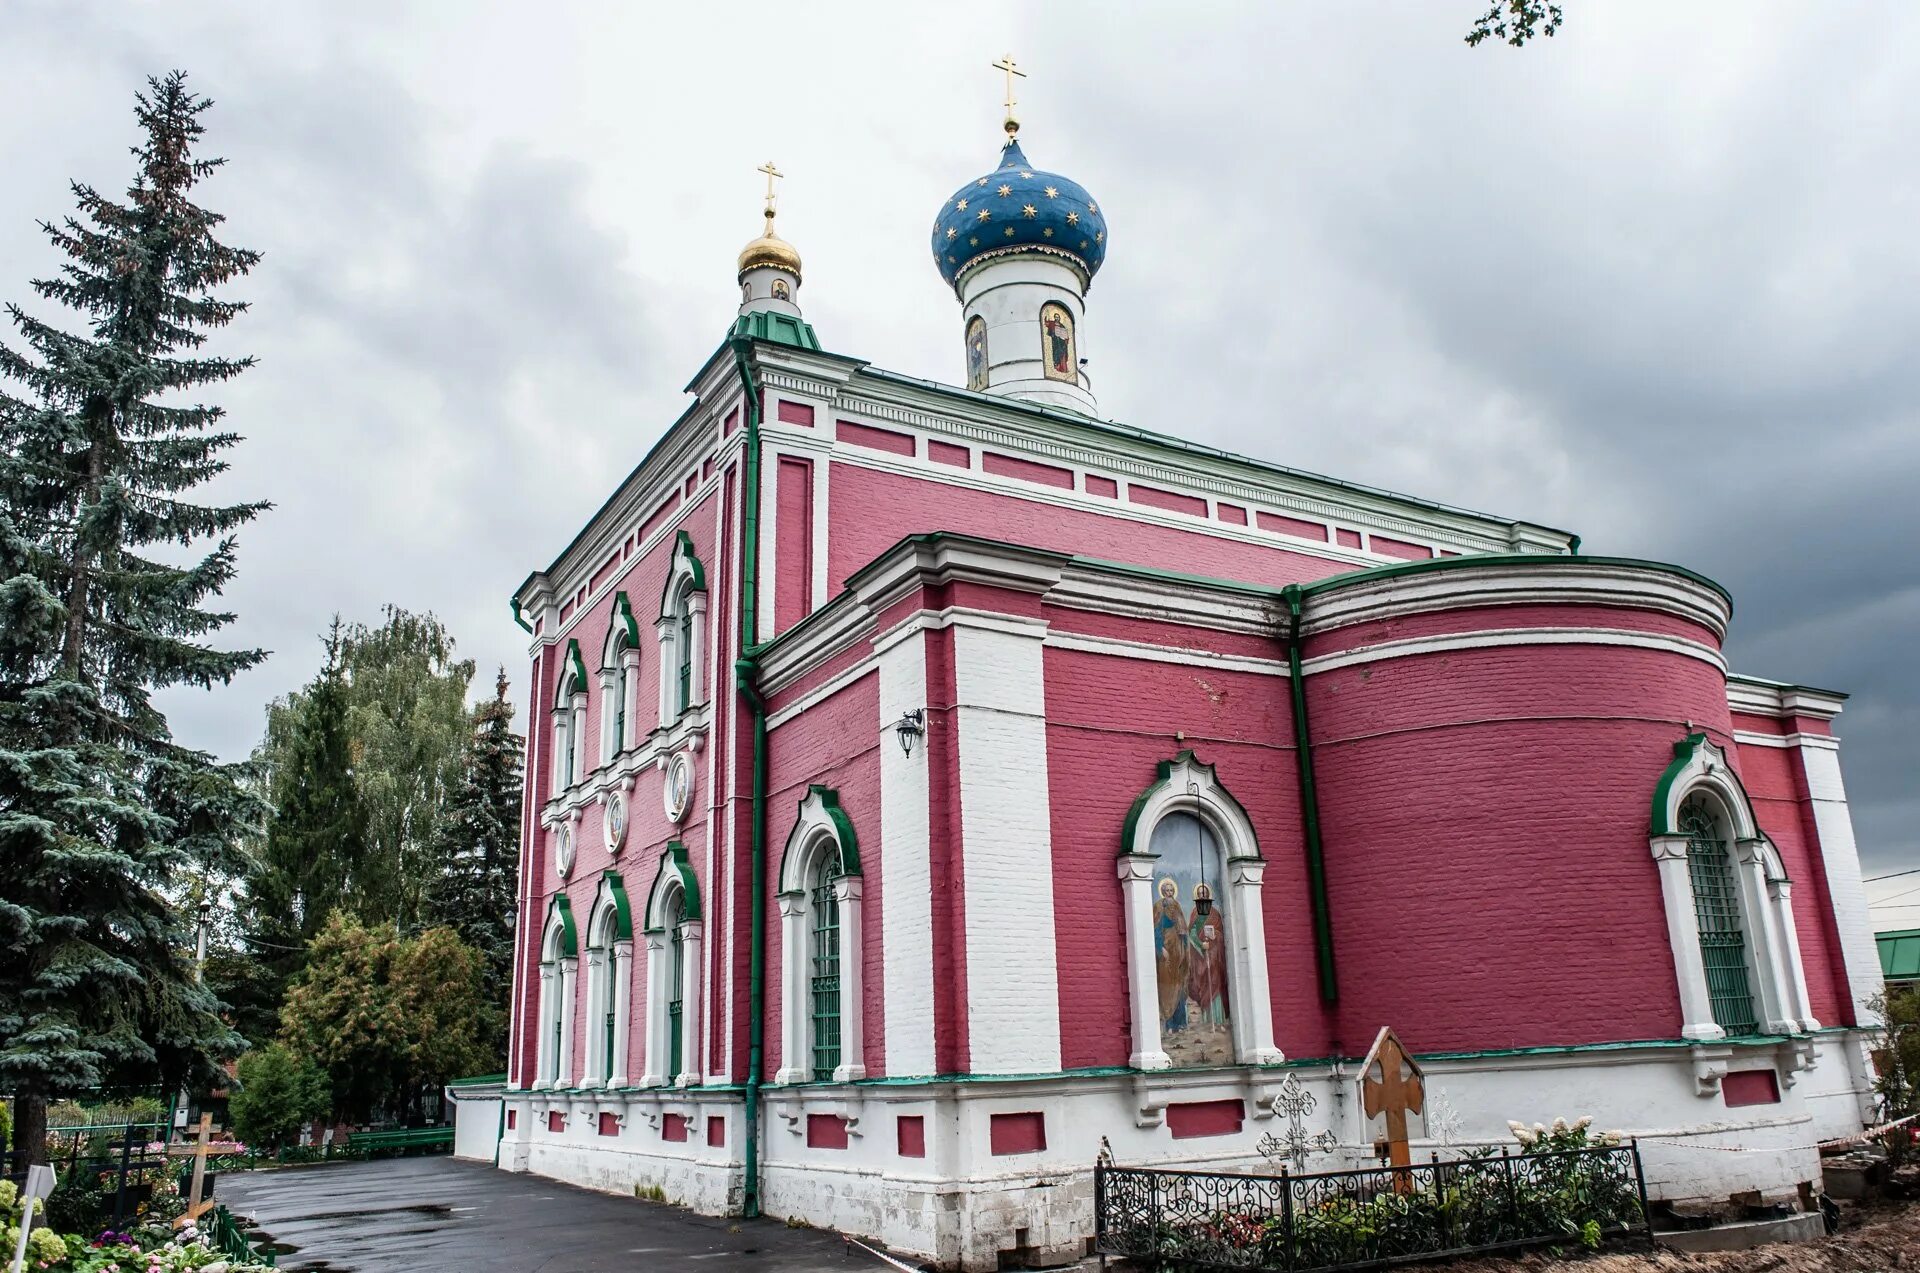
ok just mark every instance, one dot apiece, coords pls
pixel 275 1094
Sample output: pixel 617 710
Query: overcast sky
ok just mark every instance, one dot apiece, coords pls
pixel 1655 281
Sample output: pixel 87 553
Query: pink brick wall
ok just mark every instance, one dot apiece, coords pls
pixel 892 507
pixel 793 550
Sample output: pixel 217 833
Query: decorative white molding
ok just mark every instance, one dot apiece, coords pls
pixel 1497 638
pixel 1464 586
pixel 1760 697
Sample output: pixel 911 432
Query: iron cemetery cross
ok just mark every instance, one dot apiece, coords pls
pixel 1391 1084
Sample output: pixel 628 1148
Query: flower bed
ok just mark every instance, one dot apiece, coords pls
pixel 147 1248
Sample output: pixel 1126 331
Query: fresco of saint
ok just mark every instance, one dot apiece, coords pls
pixel 1190 943
pixel 1056 326
pixel 976 353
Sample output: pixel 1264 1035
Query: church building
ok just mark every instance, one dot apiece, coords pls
pixel 929 784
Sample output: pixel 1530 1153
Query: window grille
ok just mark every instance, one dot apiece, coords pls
pixel 620 702
pixel 686 651
pixel 826 974
pixel 1716 911
pixel 606 1001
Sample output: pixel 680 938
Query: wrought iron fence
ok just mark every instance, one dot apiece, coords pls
pixel 1369 1218
pixel 226 1235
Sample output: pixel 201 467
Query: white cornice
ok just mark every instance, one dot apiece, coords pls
pixel 1494 638
pixel 1772 698
pixel 1464 586
pixel 1089 587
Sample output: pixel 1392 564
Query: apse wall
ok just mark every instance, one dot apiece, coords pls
pixel 1487 739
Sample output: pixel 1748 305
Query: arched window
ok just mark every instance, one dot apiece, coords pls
pixel 682 631
pixel 821 1038
pixel 558 959
pixel 609 978
pixel 1729 907
pixel 569 720
pixel 619 674
pixel 673 973
pixel 1190 872
pixel 1717 916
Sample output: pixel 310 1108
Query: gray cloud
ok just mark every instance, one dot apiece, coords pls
pixel 1653 281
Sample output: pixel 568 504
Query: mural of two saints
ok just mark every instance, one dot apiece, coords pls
pixel 1190 943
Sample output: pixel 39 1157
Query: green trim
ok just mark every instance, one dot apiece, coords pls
pixel 845 840
pixel 622 914
pixel 1899 952
pixel 579 666
pixel 682 546
pixel 513 603
pixel 623 615
pixel 675 859
pixel 1683 752
pixel 776 329
pixel 1163 775
pixel 569 938
pixel 478 1080
pixel 1310 804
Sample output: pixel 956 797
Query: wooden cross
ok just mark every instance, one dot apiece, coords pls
pixel 1398 1090
pixel 199 1166
pixel 1007 64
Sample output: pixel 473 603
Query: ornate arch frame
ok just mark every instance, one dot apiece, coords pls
pixel 686 581
pixel 609 981
pixel 674 876
pixel 619 659
pixel 569 720
pixel 1778 978
pixel 559 963
pixel 1186 784
pixel 820 828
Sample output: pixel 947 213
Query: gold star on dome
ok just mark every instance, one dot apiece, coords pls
pixel 1083 245
pixel 1046 231
pixel 960 206
pixel 1009 232
pixel 1027 175
pixel 1004 191
pixel 973 241
pixel 951 232
pixel 1053 192
pixel 1028 210
pixel 1090 207
pixel 1073 218
pixel 986 214
pixel 1099 236
pixel 983 181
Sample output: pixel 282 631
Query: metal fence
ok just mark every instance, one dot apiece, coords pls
pixel 227 1237
pixel 1369 1218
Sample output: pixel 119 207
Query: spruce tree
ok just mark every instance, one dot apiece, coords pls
pixel 480 844
pixel 103 815
pixel 313 857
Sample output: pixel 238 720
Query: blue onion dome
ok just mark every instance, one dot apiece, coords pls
pixel 1019 210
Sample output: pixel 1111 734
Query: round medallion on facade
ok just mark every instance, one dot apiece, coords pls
pixel 1019 210
pixel 677 791
pixel 614 821
pixel 563 848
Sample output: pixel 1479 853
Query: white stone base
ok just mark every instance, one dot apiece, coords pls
pixel 961 1206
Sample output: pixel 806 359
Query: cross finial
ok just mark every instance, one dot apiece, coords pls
pixel 1007 64
pixel 773 174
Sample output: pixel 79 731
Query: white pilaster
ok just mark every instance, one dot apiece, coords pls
pixel 569 969
pixel 1767 950
pixel 668 668
pixel 1013 991
pixel 1840 859
pixel 697 675
pixel 543 1044
pixel 794 1067
pixel 906 921
pixel 1676 893
pixel 1780 892
pixel 1252 1016
pixel 846 891
pixel 594 1072
pixel 1136 899
pixel 653 1064
pixel 690 1033
pixel 622 1007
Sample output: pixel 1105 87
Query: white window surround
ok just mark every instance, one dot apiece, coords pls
pixel 619 681
pixel 686 590
pixel 1187 785
pixel 1778 979
pixel 821 831
pixel 674 881
pixel 609 982
pixel 569 721
pixel 559 959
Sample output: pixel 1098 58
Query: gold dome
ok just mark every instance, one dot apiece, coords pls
pixel 770 249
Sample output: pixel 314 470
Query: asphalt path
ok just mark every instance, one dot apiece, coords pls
pixel 439 1213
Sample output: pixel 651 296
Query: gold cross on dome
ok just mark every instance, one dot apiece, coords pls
pixel 1012 68
pixel 772 173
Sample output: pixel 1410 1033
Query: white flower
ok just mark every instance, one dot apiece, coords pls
pixel 1583 1122
pixel 1515 1126
pixel 1559 1125
pixel 1522 1135
pixel 1539 1129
